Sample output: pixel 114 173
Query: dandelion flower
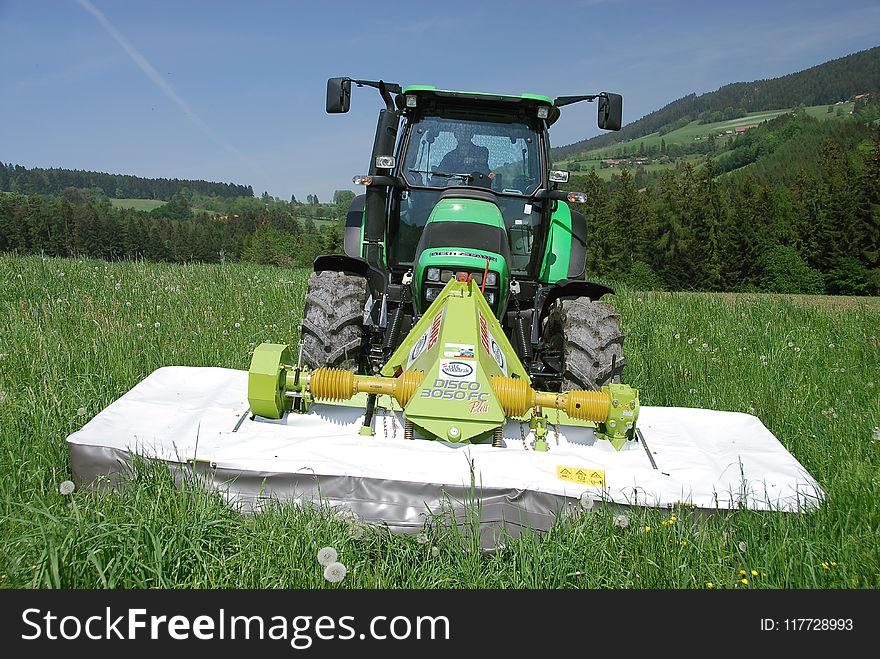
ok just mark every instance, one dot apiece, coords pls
pixel 586 501
pixel 825 566
pixel 744 582
pixel 327 555
pixel 81 411
pixel 422 538
pixel 710 585
pixel 335 572
pixel 742 573
pixel 833 564
pixel 743 546
pixel 621 520
pixel 683 542
pixel 66 487
pixel 754 573
pixel 647 529
pixel 763 574
pixel 435 551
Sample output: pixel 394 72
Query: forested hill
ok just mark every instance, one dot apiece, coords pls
pixel 15 178
pixel 826 83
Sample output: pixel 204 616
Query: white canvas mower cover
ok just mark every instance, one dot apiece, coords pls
pixel 198 419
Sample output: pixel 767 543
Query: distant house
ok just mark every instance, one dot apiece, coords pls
pixel 641 160
pixel 609 162
pixel 742 129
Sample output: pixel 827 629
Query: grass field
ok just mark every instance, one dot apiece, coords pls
pixel 77 334
pixel 137 204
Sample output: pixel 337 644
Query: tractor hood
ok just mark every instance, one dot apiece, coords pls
pixel 465 233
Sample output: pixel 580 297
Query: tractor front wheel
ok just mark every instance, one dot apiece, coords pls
pixel 333 320
pixel 586 335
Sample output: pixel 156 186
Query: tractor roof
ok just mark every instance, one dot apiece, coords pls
pixel 530 99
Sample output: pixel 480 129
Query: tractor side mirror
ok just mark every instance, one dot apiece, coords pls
pixel 338 95
pixel 610 111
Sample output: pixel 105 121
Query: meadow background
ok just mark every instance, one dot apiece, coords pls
pixel 75 334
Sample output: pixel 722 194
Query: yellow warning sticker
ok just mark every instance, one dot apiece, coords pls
pixel 581 476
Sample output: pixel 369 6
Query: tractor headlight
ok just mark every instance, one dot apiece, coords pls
pixel 431 293
pixel 490 298
pixel 491 278
pixel 433 274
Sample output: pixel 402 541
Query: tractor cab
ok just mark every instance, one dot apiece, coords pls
pixel 470 167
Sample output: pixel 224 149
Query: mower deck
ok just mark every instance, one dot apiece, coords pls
pixel 197 419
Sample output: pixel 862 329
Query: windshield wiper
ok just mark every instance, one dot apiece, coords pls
pixel 466 177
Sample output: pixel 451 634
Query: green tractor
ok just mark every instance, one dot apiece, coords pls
pixel 461 187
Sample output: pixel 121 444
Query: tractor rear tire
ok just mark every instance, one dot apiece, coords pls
pixel 333 320
pixel 587 333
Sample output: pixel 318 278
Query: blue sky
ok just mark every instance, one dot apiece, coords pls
pixel 234 91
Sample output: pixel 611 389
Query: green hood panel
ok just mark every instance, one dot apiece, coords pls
pixel 467 210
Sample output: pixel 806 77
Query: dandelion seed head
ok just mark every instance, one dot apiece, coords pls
pixel 705 345
pixel 677 335
pixel 140 325
pixel 81 411
pixel 237 325
pixel 327 555
pixel 690 342
pixel 66 487
pixel 157 324
pixel 422 538
pixel 435 551
pixel 621 521
pixel 743 546
pixel 335 572
pixel 586 500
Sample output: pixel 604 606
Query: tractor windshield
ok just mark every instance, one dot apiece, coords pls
pixel 443 152
pixel 500 156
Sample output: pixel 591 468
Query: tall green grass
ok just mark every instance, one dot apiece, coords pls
pixel 75 335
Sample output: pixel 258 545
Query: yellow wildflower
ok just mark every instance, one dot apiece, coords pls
pixel 833 564
pixel 754 573
pixel 742 573
pixel 710 585
pixel 745 582
pixel 825 566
